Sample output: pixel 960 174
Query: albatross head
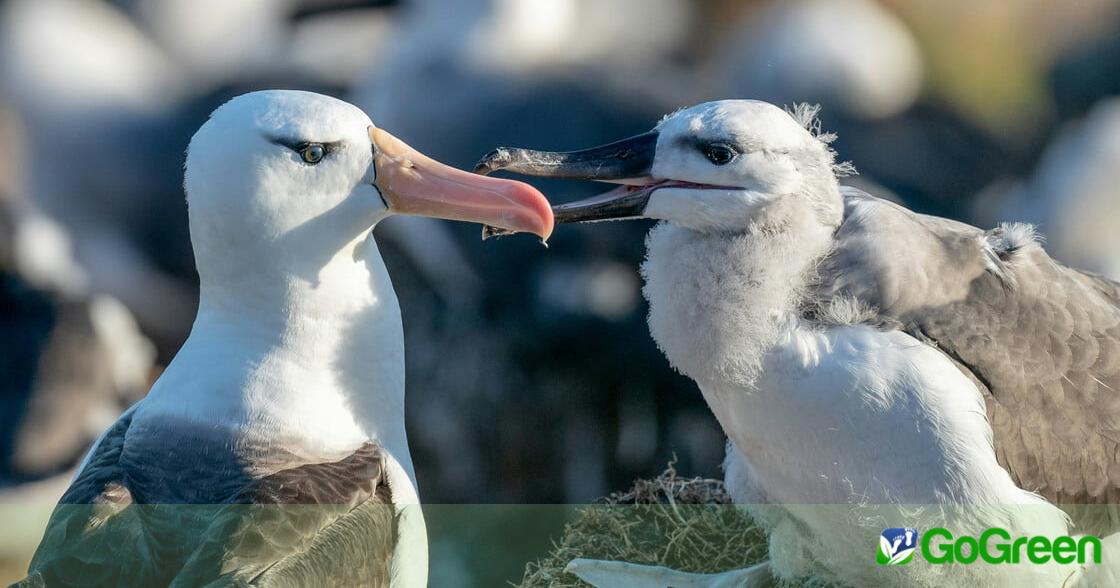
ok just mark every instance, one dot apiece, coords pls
pixel 715 167
pixel 288 175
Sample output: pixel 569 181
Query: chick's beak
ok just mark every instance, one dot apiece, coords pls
pixel 414 184
pixel 628 162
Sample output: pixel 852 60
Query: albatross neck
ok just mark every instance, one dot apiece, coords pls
pixel 718 301
pixel 313 359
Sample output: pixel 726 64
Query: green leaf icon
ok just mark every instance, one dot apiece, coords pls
pixel 884 557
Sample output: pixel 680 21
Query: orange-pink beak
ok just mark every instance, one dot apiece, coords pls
pixel 413 183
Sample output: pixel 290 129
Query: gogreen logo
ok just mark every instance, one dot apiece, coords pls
pixel 993 546
pixel 896 546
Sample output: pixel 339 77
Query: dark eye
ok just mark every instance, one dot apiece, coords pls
pixel 720 153
pixel 312 153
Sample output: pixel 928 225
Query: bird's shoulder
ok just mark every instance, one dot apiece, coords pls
pixel 901 262
pixel 190 508
pixel 896 260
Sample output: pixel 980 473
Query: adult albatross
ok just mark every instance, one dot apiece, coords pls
pixel 272 450
pixel 872 367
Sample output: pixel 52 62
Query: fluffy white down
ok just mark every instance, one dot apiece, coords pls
pixel 836 421
pixel 838 427
pixel 718 300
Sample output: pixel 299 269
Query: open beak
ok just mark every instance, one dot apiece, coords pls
pixel 413 183
pixel 625 162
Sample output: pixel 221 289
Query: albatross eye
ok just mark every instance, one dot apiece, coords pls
pixel 720 153
pixel 312 153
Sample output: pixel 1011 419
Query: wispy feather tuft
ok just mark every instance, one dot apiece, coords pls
pixel 808 116
pixel 1003 245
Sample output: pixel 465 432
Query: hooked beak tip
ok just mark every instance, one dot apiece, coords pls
pixel 533 213
pixel 412 183
pixel 493 161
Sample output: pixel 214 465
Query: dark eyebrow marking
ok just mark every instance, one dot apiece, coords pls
pixel 735 143
pixel 298 144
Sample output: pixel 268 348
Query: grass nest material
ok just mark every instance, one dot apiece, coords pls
pixel 687 524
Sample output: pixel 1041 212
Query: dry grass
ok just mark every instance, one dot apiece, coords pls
pixel 686 524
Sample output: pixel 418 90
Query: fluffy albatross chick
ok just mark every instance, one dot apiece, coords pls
pixel 872 367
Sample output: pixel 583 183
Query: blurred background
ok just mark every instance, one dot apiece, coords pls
pixel 531 374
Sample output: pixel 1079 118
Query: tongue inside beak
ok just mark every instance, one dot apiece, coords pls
pixel 413 183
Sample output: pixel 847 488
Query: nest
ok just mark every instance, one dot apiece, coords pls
pixel 687 524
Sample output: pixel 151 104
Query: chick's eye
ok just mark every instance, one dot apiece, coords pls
pixel 719 154
pixel 312 153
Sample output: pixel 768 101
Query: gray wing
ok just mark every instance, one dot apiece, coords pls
pixel 321 524
pixel 1041 339
pixel 325 524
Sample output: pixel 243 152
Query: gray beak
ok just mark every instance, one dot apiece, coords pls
pixel 628 159
pixel 623 162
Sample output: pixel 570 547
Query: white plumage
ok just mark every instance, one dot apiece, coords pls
pixel 295 362
pixel 829 417
pixel 833 336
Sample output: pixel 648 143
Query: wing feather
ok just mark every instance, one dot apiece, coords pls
pixel 1042 339
pixel 330 523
